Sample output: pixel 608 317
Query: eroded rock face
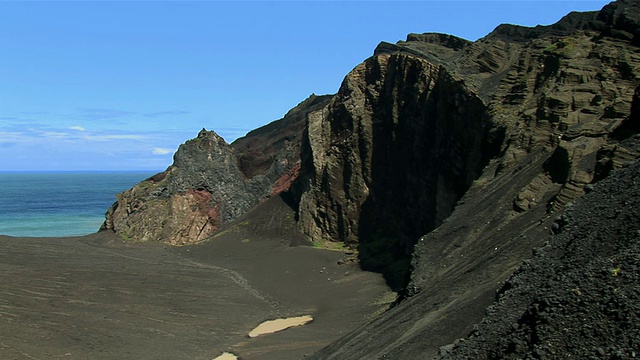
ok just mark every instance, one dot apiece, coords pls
pixel 390 156
pixel 210 182
pixel 202 190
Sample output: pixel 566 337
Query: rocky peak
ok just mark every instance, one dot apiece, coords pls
pixel 446 40
pixel 210 182
pixel 569 24
pixel 621 19
pixel 428 45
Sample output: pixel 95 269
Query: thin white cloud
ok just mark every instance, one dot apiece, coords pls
pixel 55 134
pixel 29 137
pixel 161 151
pixel 103 114
pixel 67 147
pixel 166 113
pixel 9 135
pixel 113 137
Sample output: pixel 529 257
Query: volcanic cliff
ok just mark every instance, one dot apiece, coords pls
pixel 441 162
pixel 211 182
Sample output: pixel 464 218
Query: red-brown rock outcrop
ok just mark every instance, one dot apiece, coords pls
pixel 210 182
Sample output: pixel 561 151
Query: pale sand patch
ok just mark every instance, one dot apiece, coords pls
pixel 271 326
pixel 226 356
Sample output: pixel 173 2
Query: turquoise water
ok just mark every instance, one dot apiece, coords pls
pixel 59 203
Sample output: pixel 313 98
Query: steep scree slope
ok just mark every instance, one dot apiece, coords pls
pixel 579 295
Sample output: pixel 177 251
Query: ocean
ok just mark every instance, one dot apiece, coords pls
pixel 52 204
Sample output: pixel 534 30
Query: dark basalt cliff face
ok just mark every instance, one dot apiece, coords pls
pixel 389 157
pixel 565 98
pixel 443 162
pixel 210 182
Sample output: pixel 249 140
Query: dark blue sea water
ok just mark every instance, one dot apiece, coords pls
pixel 59 203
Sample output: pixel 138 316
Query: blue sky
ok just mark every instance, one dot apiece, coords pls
pixel 120 85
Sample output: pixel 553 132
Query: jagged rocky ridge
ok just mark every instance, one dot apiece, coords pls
pixel 478 145
pixel 210 182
